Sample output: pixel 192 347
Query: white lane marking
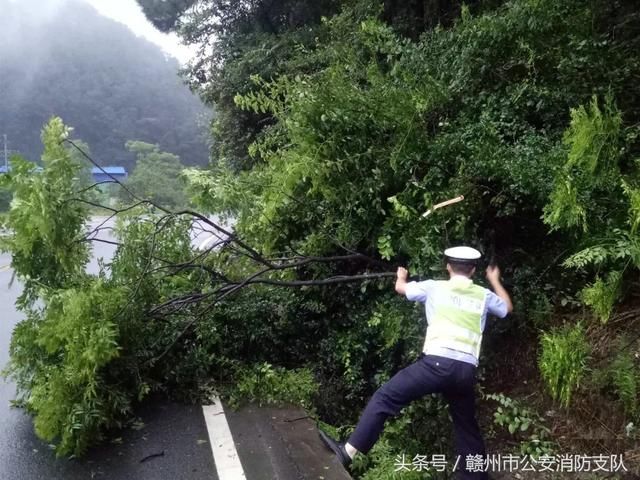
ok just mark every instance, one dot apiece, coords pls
pixel 224 449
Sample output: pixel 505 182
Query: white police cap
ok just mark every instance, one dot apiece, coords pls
pixel 462 254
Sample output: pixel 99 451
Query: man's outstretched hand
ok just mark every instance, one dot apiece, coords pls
pixel 402 273
pixel 493 274
pixel 401 282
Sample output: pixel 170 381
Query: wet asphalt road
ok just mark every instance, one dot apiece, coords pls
pixel 174 435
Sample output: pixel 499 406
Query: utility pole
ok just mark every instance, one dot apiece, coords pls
pixel 7 151
pixel 6 158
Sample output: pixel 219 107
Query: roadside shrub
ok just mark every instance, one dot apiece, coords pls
pixel 602 295
pixel 266 384
pixel 540 310
pixel 524 424
pixel 625 380
pixel 563 361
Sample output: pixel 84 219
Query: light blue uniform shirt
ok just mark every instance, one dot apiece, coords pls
pixel 425 292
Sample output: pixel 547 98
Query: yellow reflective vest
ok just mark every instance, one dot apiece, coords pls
pixel 456 319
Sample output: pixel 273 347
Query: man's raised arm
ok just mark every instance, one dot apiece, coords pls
pixel 493 276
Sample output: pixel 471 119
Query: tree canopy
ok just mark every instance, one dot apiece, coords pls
pixel 156 175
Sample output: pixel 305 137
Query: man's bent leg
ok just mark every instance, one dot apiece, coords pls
pixel 413 382
pixel 467 436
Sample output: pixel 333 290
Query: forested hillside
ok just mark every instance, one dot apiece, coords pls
pixel 338 124
pixel 63 58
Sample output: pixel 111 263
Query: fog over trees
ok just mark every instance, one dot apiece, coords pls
pixel 63 58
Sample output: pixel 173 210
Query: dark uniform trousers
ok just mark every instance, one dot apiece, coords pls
pixel 429 374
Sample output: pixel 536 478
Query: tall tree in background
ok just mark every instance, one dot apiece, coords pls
pixel 156 175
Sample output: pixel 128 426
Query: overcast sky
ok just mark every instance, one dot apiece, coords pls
pixel 130 13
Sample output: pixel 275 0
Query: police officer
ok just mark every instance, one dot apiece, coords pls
pixel 456 312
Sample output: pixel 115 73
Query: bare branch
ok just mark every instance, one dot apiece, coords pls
pixel 93 162
pixel 251 251
pixel 324 281
pixel 229 289
pixel 234 244
pixel 101 240
pixel 93 186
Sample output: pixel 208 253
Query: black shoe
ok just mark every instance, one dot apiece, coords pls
pixel 337 448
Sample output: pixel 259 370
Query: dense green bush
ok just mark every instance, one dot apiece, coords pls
pixel 526 426
pixel 264 384
pixel 156 176
pixel 515 108
pixel 563 361
pixel 626 379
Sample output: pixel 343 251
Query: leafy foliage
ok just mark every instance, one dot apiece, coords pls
pixel 408 435
pixel 240 39
pixel 44 223
pixel 524 108
pixel 53 359
pixel 626 381
pixel 265 384
pixel 563 360
pixel 156 176
pixel 602 295
pixel 56 359
pixel 73 355
pixel 593 180
pixel 524 424
pixel 336 134
pixel 592 139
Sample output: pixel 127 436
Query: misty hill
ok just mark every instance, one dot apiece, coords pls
pixel 61 57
